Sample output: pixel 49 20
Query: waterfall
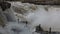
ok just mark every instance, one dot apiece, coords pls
pixel 46 15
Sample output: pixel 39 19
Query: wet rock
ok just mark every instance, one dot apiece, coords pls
pixel 3 19
pixel 5 5
pixel 39 28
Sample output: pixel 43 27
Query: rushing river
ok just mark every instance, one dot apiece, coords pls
pixel 46 15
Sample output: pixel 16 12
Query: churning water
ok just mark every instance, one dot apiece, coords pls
pixel 46 15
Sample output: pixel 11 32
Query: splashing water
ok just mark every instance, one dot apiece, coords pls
pixel 47 16
pixel 47 19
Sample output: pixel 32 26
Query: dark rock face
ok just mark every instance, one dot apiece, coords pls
pixel 43 2
pixel 26 22
pixel 40 2
pixel 39 28
pixel 5 5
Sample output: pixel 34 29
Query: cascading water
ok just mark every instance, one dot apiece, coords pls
pixel 47 16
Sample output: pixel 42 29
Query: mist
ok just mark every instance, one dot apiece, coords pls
pixel 46 15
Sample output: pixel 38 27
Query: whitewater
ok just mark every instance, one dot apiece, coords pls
pixel 46 15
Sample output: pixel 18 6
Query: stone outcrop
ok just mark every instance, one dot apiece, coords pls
pixel 43 2
pixel 3 19
pixel 6 14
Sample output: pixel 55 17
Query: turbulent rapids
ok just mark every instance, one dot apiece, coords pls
pixel 22 18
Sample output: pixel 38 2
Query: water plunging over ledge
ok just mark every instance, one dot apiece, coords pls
pixel 46 15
